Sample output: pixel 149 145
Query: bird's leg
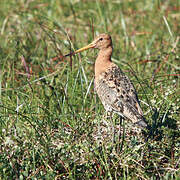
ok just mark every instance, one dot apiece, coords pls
pixel 109 115
pixel 120 123
pixel 121 120
pixel 112 128
pixel 123 135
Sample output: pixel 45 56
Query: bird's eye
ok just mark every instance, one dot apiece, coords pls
pixel 101 39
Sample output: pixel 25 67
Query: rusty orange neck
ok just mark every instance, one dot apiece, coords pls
pixel 103 61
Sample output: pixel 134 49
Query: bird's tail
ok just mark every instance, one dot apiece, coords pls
pixel 142 123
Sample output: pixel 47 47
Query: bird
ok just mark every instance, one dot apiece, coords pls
pixel 115 90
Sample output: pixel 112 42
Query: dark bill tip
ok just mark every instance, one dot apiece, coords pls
pixel 70 54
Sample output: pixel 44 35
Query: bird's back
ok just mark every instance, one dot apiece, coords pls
pixel 118 94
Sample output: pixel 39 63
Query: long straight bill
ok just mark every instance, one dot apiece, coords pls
pixel 81 49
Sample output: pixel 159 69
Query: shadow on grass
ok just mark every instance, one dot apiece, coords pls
pixel 160 124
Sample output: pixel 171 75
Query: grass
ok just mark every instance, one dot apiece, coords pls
pixel 52 124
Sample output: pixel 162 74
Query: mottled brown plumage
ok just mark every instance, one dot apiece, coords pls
pixel 113 87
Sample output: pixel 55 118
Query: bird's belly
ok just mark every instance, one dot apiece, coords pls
pixel 106 95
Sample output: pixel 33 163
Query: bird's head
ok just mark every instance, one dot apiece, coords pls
pixel 101 42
